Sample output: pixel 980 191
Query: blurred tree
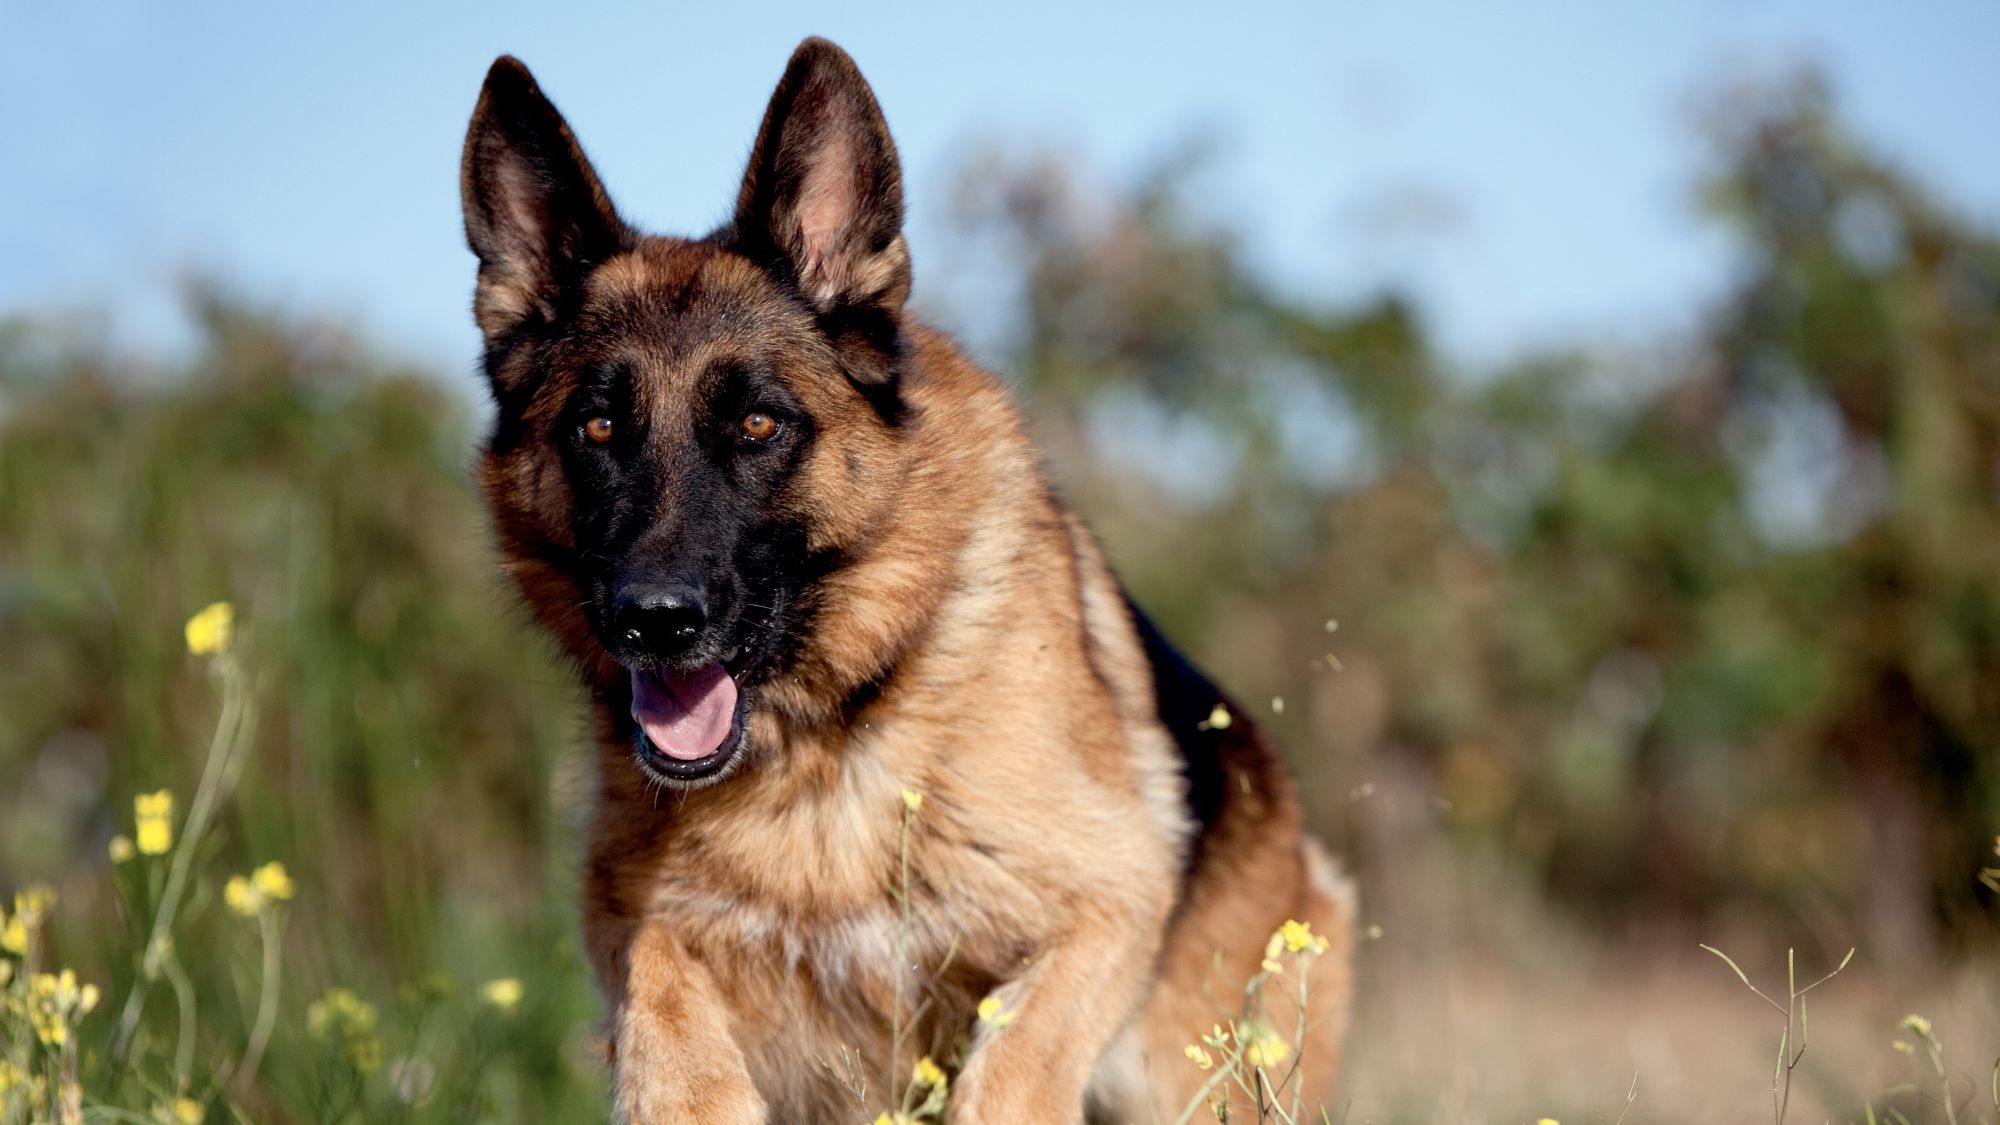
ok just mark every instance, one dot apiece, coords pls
pixel 414 764
pixel 1717 627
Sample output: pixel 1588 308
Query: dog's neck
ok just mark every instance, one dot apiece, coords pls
pixel 938 545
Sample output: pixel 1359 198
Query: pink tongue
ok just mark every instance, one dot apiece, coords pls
pixel 685 715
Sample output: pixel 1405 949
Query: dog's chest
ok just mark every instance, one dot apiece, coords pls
pixel 822 1004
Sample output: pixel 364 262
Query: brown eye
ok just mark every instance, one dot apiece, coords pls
pixel 598 430
pixel 758 426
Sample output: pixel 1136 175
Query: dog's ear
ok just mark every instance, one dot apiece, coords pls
pixel 535 213
pixel 822 200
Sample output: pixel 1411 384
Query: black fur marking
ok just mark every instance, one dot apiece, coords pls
pixel 1184 697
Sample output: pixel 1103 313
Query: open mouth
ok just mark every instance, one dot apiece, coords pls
pixel 690 722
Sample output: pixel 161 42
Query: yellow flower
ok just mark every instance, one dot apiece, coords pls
pixel 1904 1046
pixel 155 837
pixel 1918 1024
pixel 52 1000
pixel 1548 1121
pixel 927 1072
pixel 912 800
pixel 242 897
pixel 187 1111
pixel 1218 719
pixel 272 880
pixel 34 901
pixel 249 895
pixel 6 972
pixel 344 1018
pixel 1299 937
pixel 993 1011
pixel 895 1119
pixel 121 849
pixel 504 994
pixel 1201 1058
pixel 154 813
pixel 14 936
pixel 1265 1048
pixel 208 631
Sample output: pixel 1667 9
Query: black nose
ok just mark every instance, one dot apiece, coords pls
pixel 658 617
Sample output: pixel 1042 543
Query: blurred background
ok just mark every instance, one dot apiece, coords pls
pixel 1574 429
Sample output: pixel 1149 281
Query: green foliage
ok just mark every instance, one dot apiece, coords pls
pixel 414 763
pixel 1715 627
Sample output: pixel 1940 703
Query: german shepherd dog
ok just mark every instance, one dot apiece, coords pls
pixel 882 744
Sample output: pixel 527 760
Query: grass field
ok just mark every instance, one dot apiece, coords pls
pixel 208 997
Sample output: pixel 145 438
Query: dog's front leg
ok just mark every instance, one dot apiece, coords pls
pixel 674 1058
pixel 1032 1062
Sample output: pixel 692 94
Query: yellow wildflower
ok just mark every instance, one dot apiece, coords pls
pixel 154 813
pixel 52 1001
pixel 242 896
pixel 344 1018
pixel 14 936
pixel 249 895
pixel 1274 946
pixel 187 1111
pixel 1918 1024
pixel 34 902
pixel 155 837
pixel 1265 1048
pixel 121 849
pixel 898 1118
pixel 928 1073
pixel 10 1077
pixel 1218 719
pixel 273 881
pixel 504 994
pixel 1298 937
pixel 208 631
pixel 1904 1046
pixel 6 972
pixel 993 1011
pixel 1199 1057
pixel 912 800
pixel 1548 1121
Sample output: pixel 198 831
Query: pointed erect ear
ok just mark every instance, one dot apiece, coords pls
pixel 822 201
pixel 534 210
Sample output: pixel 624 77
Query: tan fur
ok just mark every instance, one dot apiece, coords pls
pixel 1045 857
pixel 751 936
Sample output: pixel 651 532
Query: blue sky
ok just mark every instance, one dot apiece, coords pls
pixel 1525 167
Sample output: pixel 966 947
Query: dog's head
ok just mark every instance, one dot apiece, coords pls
pixel 689 433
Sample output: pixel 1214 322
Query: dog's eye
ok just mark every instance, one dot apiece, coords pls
pixel 598 430
pixel 759 426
